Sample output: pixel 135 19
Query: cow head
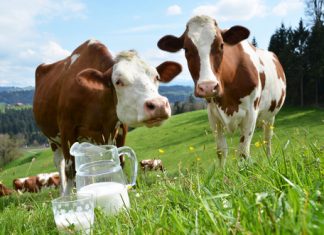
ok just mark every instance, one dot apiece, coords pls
pixel 203 42
pixel 136 85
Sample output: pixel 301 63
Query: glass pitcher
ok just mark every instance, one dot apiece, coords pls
pixel 106 182
pixel 85 153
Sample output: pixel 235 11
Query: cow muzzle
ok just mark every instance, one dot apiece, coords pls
pixel 207 89
pixel 156 110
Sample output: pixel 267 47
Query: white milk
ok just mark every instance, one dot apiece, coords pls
pixel 81 220
pixel 110 196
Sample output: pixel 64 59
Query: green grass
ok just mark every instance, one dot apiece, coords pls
pixel 280 195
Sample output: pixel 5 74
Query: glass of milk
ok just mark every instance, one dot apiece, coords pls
pixel 74 213
pixel 106 182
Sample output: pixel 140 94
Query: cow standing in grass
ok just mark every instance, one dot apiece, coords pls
pixel 91 96
pixel 241 83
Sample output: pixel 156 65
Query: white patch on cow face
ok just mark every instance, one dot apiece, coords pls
pixel 202 33
pixel 135 83
pixel 74 58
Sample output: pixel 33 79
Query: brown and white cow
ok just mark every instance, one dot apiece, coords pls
pixel 18 184
pixel 53 181
pixel 92 96
pixel 240 82
pixel 44 178
pixel 4 191
pixel 152 164
pixel 31 185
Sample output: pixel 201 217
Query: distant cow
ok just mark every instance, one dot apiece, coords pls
pixel 91 96
pixel 53 181
pixel 4 191
pixel 240 82
pixel 31 184
pixel 152 164
pixel 18 184
pixel 42 178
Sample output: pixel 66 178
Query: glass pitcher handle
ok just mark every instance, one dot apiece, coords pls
pixel 132 156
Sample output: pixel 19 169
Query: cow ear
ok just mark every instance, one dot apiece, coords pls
pixel 93 79
pixel 170 43
pixel 235 34
pixel 168 70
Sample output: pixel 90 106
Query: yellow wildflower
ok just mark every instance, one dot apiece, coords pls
pixel 198 158
pixel 191 148
pixel 258 144
pixel 271 127
pixel 265 142
pixel 161 151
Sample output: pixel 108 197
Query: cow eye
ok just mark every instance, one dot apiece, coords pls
pixel 157 78
pixel 186 50
pixel 222 46
pixel 119 83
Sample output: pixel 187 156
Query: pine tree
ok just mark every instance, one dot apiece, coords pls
pixel 254 42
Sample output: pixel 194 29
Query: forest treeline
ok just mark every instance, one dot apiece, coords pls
pixel 301 52
pixel 20 123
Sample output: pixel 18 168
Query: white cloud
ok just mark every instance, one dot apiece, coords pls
pixel 22 46
pixel 225 10
pixel 52 52
pixel 286 6
pixel 174 10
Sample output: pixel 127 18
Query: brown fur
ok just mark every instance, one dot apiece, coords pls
pixel 31 185
pixel 4 191
pixel 53 181
pixel 59 106
pixel 18 185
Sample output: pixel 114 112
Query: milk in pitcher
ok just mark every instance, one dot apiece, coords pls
pixel 110 196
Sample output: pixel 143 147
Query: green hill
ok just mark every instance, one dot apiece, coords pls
pixel 281 195
pixel 186 138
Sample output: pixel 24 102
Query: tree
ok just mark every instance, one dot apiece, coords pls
pixel 9 148
pixel 315 10
pixel 300 37
pixel 254 42
pixel 316 61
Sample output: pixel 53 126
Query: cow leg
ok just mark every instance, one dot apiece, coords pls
pixel 60 165
pixel 218 131
pixel 247 130
pixel 268 132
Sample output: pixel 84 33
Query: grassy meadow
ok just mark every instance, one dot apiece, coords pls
pixel 283 194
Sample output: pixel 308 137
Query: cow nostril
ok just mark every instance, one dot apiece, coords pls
pixel 200 88
pixel 150 105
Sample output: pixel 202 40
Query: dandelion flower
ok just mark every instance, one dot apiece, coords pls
pixel 198 158
pixel 161 151
pixel 191 148
pixel 271 127
pixel 257 144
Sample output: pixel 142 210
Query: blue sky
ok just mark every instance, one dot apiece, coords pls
pixel 38 31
